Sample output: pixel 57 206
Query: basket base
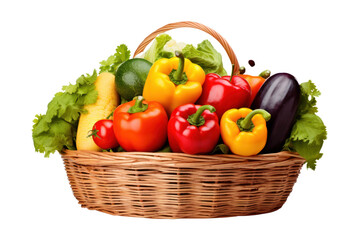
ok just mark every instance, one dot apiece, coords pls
pixel 171 186
pixel 189 216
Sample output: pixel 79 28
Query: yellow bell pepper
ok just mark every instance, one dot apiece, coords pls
pixel 244 131
pixel 174 82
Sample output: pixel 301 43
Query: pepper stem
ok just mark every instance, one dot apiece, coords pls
pixel 246 122
pixel 178 74
pixel 139 106
pixel 196 119
pixel 232 71
pixel 265 74
pixel 110 115
pixel 242 69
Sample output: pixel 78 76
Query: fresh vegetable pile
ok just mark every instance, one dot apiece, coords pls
pixel 179 98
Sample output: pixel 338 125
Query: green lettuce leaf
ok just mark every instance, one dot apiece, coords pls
pixel 57 128
pixel 221 148
pixel 166 148
pixel 309 126
pixel 309 151
pixel 156 50
pixel 206 57
pixel 113 62
pixel 309 131
pixel 307 104
pixel 53 136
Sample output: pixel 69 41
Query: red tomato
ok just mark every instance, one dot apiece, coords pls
pixel 103 134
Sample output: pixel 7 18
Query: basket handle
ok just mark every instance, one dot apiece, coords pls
pixel 195 25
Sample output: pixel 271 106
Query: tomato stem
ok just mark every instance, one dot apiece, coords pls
pixel 93 133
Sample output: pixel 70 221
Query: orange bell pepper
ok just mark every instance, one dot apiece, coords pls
pixel 140 125
pixel 256 82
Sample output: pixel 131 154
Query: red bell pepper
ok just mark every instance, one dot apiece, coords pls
pixel 140 125
pixel 193 129
pixel 225 93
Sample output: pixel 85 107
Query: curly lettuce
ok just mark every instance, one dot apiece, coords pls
pixel 112 63
pixel 309 132
pixel 57 128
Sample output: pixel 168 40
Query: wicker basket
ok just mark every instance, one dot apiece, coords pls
pixel 177 185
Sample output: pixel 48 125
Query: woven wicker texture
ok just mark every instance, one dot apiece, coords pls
pixel 172 185
pixel 176 185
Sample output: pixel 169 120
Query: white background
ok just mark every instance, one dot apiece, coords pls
pixel 47 44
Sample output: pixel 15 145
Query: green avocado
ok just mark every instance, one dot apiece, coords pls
pixel 130 77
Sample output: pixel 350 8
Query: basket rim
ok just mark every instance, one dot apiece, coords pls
pixel 93 158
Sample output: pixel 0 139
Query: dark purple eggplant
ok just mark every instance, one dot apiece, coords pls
pixel 279 95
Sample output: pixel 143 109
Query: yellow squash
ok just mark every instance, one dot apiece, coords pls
pixel 108 99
